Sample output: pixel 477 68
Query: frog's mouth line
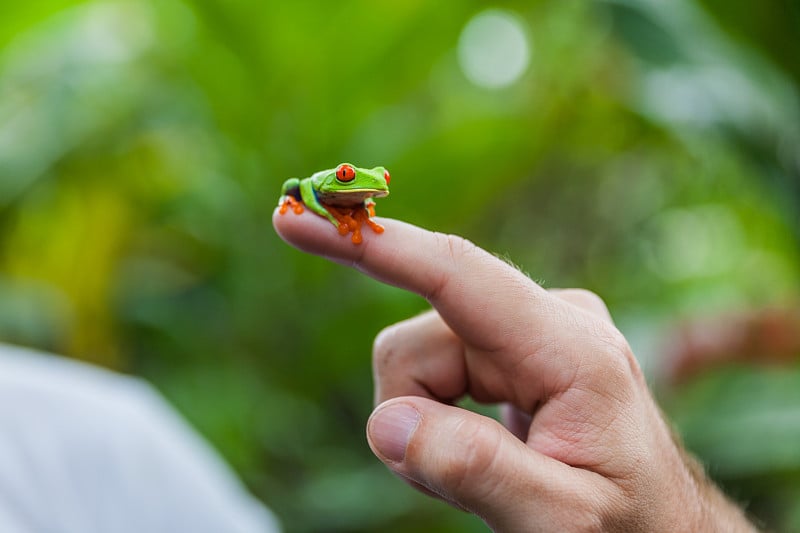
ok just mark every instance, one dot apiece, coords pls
pixel 374 193
pixel 348 191
pixel 350 197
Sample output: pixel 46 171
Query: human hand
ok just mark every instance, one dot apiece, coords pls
pixel 584 446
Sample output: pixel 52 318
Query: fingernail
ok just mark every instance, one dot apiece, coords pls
pixel 390 429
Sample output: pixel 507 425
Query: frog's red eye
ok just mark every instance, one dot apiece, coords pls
pixel 386 176
pixel 345 173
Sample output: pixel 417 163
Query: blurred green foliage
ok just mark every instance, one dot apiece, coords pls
pixel 649 152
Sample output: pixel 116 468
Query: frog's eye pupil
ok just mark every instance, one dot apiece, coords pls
pixel 345 173
pixel 387 177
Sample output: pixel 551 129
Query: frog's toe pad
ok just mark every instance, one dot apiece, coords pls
pixel 291 201
pixel 377 228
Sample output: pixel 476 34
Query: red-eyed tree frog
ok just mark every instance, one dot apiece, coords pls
pixel 344 195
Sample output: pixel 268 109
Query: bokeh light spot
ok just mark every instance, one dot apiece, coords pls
pixel 493 50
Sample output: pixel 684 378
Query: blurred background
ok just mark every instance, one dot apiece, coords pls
pixel 648 151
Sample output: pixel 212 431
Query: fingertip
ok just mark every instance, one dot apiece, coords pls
pixel 464 457
pixel 316 235
pixel 309 233
pixel 292 228
pixel 390 428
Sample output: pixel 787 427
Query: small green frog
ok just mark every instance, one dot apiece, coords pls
pixel 344 195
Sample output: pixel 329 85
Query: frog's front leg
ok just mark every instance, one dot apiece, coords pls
pixel 310 199
pixel 290 193
pixel 365 214
pixel 369 204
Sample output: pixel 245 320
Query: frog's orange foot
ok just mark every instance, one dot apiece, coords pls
pixel 352 220
pixel 377 228
pixel 291 201
pixel 347 224
pixel 363 216
pixel 350 223
pixel 344 222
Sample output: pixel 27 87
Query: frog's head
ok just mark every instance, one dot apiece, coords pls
pixel 347 185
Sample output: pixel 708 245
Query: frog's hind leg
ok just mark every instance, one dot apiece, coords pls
pixel 346 223
pixel 365 216
pixel 361 216
pixel 288 201
pixel 290 197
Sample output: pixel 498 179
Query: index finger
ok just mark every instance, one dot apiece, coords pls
pixel 487 302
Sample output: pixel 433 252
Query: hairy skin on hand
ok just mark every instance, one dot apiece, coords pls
pixel 583 447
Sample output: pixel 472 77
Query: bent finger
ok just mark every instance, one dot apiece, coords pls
pixel 420 356
pixel 529 343
pixel 586 300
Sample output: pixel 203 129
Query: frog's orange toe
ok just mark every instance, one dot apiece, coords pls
pixel 291 201
pixel 377 228
pixel 351 220
pixel 362 216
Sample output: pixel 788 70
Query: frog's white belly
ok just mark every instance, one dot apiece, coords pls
pixel 349 198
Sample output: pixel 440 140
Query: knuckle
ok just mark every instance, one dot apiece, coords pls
pixel 394 346
pixel 618 345
pixel 616 512
pixel 586 300
pixel 473 458
pixel 597 511
pixel 458 247
pixel 615 342
pixel 618 355
pixel 384 347
pixel 586 520
pixel 589 298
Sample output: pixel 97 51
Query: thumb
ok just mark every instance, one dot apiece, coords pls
pixel 470 460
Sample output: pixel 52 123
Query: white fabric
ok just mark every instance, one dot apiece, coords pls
pixel 86 450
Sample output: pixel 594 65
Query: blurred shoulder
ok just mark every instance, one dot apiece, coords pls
pixel 100 448
pixel 36 375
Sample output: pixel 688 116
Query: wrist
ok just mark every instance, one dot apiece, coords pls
pixel 691 501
